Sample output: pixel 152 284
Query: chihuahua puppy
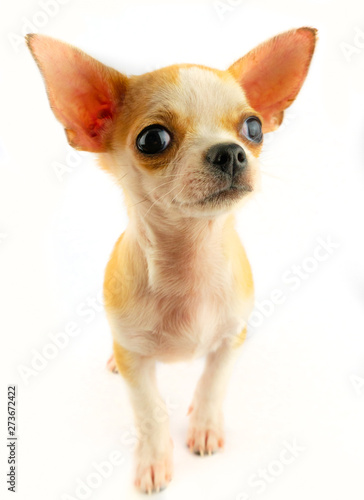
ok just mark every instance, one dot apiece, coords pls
pixel 183 143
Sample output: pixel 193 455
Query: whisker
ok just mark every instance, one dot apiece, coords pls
pixel 178 193
pixel 137 203
pixel 158 199
pixel 174 175
pixel 160 185
pixel 122 176
pixel 149 192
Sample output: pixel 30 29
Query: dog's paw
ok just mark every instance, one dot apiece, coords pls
pixel 111 364
pixel 205 433
pixel 154 469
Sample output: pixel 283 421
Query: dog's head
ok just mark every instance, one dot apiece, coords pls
pixel 185 138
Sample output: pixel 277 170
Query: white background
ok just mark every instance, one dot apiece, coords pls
pixel 300 376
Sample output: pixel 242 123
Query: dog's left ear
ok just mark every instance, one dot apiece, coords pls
pixel 272 74
pixel 84 94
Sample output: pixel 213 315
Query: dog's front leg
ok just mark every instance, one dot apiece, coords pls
pixel 153 456
pixel 206 432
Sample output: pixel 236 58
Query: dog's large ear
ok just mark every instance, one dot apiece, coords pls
pixel 84 94
pixel 272 74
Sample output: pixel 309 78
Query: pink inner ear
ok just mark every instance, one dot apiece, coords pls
pixel 273 73
pixel 84 94
pixel 85 110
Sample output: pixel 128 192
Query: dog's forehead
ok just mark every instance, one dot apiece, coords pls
pixel 196 92
pixel 203 91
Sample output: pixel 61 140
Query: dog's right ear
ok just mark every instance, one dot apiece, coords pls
pixel 84 94
pixel 272 74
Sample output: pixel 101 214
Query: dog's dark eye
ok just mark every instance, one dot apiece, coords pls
pixel 153 139
pixel 252 129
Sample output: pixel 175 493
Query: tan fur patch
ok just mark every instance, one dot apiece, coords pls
pixel 124 361
pixel 123 277
pixel 240 338
pixel 236 255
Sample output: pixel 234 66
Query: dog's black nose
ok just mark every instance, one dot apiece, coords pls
pixel 228 157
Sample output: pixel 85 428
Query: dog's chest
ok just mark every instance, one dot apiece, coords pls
pixel 189 323
pixel 187 304
pixel 193 307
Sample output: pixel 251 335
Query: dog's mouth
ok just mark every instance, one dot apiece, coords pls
pixel 223 197
pixel 229 194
